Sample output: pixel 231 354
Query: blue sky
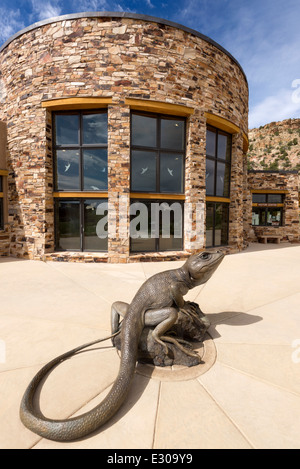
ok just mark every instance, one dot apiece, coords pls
pixel 263 35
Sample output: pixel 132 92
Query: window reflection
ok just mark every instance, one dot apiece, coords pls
pixel 95 169
pixel 157 170
pixel 218 156
pixel 143 171
pixel 211 143
pixel 68 225
pixel 94 128
pixel 223 183
pixel 210 177
pixel 93 226
pixel 80 225
pixel 172 134
pixel 171 173
pixel 67 162
pixel 67 129
pixel 156 225
pixel 267 216
pixel 223 146
pixel 217 224
pixel 80 165
pixel 144 131
pixel 81 168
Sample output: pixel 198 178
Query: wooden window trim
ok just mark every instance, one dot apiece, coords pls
pixel 69 104
pixel 80 195
pixel 159 107
pixel 227 126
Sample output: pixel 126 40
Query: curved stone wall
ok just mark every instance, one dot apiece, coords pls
pixel 120 59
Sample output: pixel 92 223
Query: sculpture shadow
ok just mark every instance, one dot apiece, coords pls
pixel 232 319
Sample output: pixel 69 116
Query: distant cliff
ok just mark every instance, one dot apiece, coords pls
pixel 275 146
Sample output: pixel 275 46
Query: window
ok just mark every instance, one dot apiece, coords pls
pixel 156 225
pixel 81 224
pixel 157 166
pixel 80 166
pixel 80 151
pixel 218 165
pixel 1 204
pixel 157 154
pixel 267 209
pixel 217 222
pixel 218 162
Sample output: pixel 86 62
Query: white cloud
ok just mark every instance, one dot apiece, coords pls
pixel 264 37
pixel 10 22
pixel 285 104
pixel 43 10
pixel 149 4
pixel 91 5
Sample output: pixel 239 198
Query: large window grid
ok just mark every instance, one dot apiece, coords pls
pixel 218 162
pixel 157 167
pixel 159 225
pixel 217 224
pixel 157 153
pixel 80 180
pixel 218 173
pixel 80 151
pixel 81 224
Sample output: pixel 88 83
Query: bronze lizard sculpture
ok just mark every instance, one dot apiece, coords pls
pixel 157 303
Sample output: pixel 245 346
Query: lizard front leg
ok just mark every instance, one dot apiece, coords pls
pixel 170 316
pixel 118 309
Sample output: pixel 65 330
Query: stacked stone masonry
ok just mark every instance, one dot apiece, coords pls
pixel 116 58
pixel 284 182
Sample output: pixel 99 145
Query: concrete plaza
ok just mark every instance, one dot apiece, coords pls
pixel 248 397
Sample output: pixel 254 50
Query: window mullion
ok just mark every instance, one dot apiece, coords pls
pixel 158 141
pixel 216 162
pixel 81 151
pixel 81 216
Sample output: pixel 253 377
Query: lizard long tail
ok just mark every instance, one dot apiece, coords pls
pixel 81 426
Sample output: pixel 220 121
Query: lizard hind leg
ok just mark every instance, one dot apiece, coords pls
pixel 176 342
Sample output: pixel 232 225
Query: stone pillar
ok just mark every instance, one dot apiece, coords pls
pixel 49 229
pixel 236 193
pixel 249 234
pixel 118 182
pixel 4 234
pixel 194 216
pixel 291 208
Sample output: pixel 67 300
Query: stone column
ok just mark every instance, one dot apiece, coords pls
pixel 194 216
pixel 236 193
pixel 291 208
pixel 49 230
pixel 118 183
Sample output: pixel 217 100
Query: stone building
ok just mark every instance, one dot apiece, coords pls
pixel 123 137
pixel 272 206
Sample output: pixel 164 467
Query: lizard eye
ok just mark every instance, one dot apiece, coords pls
pixel 205 256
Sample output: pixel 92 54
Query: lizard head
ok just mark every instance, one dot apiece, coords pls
pixel 202 265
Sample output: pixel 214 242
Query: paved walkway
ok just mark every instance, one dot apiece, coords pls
pixel 249 398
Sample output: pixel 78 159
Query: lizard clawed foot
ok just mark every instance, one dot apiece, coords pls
pixel 165 347
pixel 176 342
